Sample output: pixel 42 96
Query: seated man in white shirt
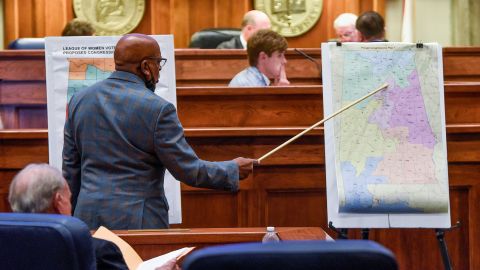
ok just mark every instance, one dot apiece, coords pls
pixel 266 57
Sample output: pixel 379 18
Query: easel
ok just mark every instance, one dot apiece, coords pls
pixel 440 233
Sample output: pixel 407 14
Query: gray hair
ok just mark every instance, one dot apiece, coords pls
pixel 33 188
pixel 345 19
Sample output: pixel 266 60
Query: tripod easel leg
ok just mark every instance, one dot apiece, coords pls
pixel 365 234
pixel 443 248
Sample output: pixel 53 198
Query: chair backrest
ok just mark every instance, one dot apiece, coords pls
pixel 211 37
pixel 44 241
pixel 339 255
pixel 27 44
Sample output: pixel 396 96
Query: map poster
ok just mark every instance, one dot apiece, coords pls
pixel 386 157
pixel 73 63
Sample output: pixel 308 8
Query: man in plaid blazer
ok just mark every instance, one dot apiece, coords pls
pixel 120 137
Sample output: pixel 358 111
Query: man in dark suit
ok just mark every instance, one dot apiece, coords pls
pixel 120 137
pixel 371 27
pixel 253 21
pixel 40 188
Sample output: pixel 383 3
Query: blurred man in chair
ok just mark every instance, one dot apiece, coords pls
pixel 266 57
pixel 40 188
pixel 344 26
pixel 253 21
pixel 78 27
pixel 371 26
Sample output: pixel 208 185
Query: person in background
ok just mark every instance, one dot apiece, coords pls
pixel 253 21
pixel 78 27
pixel 344 26
pixel 266 57
pixel 371 26
pixel 40 188
pixel 120 137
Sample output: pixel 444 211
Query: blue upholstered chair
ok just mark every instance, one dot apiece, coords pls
pixel 338 255
pixel 27 44
pixel 211 37
pixel 44 241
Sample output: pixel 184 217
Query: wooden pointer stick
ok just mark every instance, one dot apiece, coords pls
pixel 321 122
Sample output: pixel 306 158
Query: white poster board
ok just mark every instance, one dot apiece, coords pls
pixel 386 158
pixel 73 63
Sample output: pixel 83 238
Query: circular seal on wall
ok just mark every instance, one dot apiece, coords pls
pixel 110 17
pixel 291 18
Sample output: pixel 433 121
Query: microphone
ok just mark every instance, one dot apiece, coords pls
pixel 309 58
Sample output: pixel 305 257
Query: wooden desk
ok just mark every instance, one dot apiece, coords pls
pixel 152 243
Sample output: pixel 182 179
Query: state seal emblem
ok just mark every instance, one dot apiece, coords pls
pixel 291 18
pixel 110 17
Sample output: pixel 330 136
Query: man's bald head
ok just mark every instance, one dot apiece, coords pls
pixel 253 21
pixel 131 49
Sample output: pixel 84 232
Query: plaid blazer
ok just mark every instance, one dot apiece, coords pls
pixel 118 139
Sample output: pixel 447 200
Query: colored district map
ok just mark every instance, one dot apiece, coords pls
pixel 84 72
pixel 390 150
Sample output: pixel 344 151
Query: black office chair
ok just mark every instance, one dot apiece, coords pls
pixel 211 37
pixel 44 241
pixel 27 44
pixel 312 255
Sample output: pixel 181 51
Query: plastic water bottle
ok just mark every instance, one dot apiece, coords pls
pixel 271 236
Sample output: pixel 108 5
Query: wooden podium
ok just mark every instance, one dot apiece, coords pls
pixel 152 243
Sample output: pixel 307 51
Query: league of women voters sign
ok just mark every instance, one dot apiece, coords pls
pixel 74 63
pixel 386 157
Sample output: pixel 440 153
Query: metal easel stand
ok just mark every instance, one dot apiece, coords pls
pixel 443 245
pixel 343 233
pixel 440 233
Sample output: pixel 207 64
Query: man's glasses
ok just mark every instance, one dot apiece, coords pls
pixel 160 61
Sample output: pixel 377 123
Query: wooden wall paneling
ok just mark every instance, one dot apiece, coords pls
pixel 204 111
pixel 10 21
pixel 196 67
pixel 8 115
pixel 26 18
pixel 180 18
pixel 201 15
pixel 209 208
pixel 56 16
pixel 20 152
pixel 4 187
pixel 230 13
pixel 38 15
pixel 351 6
pixel 39 18
pixel 460 63
pixel 160 20
pixel 32 117
pixel 292 195
pixel 461 106
pixel 150 19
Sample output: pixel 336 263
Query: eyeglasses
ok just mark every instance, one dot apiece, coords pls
pixel 160 60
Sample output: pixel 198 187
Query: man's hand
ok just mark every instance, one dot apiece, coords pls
pixel 245 166
pixel 282 78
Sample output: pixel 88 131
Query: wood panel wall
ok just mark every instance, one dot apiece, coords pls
pixel 182 18
pixel 288 189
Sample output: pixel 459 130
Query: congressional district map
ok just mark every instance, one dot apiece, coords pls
pixel 389 150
